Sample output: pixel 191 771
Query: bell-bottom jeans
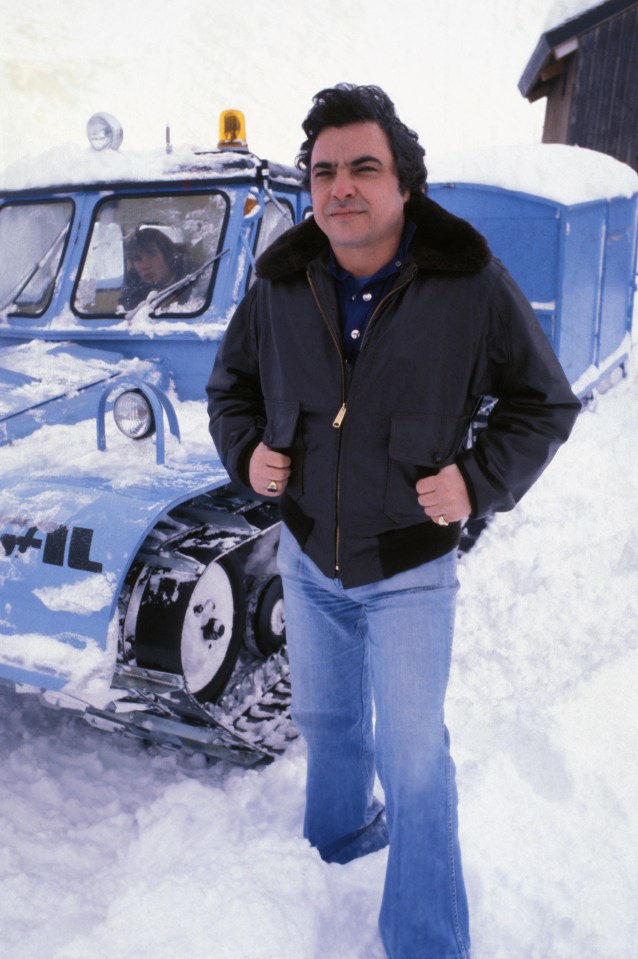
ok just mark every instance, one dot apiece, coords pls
pixel 389 644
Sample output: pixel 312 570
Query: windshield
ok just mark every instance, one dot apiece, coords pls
pixel 140 246
pixel 32 239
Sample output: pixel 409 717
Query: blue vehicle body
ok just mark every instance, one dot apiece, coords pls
pixel 575 263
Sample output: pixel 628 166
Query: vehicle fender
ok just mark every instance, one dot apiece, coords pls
pixel 65 551
pixel 49 383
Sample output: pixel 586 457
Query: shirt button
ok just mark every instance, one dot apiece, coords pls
pixel 355 334
pixel 366 297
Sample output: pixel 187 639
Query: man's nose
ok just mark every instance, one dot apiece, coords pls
pixel 343 185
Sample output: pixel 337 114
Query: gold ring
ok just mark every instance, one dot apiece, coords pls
pixel 442 521
pixel 272 487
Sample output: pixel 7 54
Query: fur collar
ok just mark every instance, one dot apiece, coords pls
pixel 442 242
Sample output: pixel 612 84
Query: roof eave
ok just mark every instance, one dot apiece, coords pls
pixel 531 83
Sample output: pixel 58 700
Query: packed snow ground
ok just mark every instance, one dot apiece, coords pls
pixel 109 848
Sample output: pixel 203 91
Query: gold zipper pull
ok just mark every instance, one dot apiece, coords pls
pixel 338 420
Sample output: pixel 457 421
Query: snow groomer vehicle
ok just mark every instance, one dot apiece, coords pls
pixel 138 587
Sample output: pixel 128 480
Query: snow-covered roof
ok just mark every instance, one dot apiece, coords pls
pixel 554 171
pixel 71 165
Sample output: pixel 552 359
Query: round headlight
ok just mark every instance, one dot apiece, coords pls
pixel 104 132
pixel 133 415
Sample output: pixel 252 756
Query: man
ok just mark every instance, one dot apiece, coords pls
pixel 345 385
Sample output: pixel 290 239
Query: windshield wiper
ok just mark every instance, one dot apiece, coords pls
pixel 156 297
pixel 19 289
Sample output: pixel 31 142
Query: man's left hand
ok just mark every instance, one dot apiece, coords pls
pixel 444 495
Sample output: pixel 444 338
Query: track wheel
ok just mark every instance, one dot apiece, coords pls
pixel 270 622
pixel 193 627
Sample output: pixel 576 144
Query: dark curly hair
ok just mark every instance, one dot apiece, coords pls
pixel 348 103
pixel 148 238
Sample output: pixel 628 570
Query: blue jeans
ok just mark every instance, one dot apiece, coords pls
pixel 389 643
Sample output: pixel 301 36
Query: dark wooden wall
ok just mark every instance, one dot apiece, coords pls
pixel 594 103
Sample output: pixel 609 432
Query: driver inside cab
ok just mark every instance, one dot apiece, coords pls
pixel 153 262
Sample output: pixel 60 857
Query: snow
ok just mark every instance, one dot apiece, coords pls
pixel 113 848
pixel 125 464
pixel 71 163
pixel 76 656
pixel 565 174
pixel 90 595
pixel 68 368
pixel 563 10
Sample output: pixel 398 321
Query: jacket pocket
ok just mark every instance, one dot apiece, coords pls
pixel 420 444
pixel 282 433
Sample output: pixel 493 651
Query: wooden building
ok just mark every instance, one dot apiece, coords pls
pixel 587 67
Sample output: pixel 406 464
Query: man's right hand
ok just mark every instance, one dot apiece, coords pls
pixel 268 471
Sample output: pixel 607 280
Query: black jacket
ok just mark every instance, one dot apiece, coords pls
pixel 454 329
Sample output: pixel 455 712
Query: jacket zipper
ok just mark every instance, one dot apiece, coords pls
pixel 342 411
pixel 338 420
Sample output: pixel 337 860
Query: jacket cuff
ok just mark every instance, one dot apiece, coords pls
pixel 461 463
pixel 242 463
pixel 486 497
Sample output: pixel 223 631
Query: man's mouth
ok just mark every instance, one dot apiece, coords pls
pixel 345 213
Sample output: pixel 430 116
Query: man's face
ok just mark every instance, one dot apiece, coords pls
pixel 356 197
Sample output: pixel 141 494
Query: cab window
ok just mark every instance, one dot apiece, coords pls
pixel 32 240
pixel 152 252
pixel 276 219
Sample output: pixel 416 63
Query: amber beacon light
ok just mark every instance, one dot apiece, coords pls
pixel 232 130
